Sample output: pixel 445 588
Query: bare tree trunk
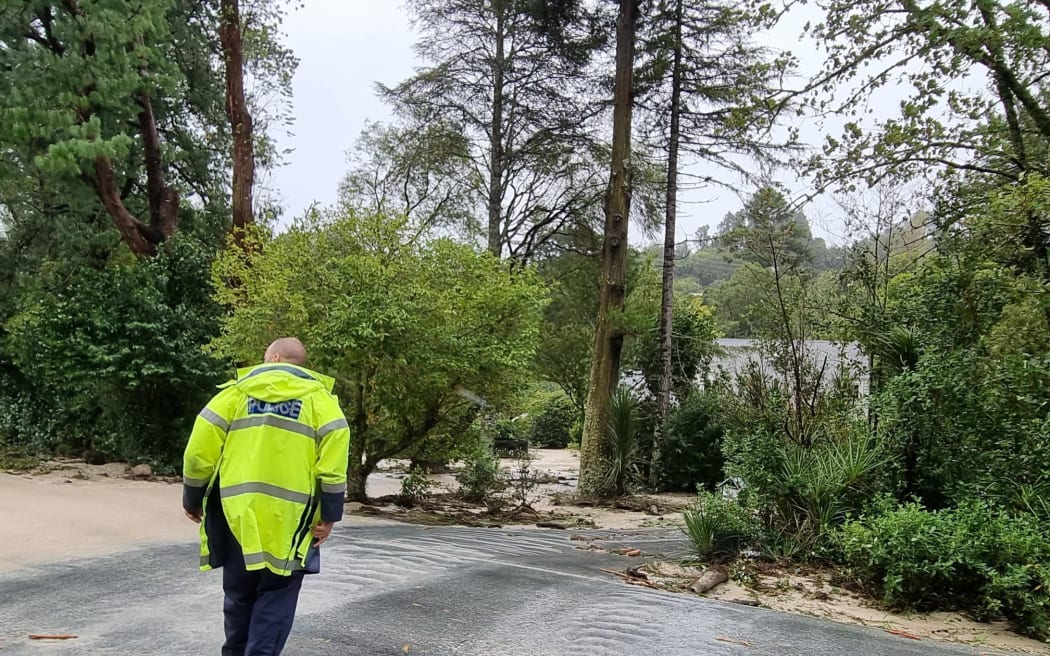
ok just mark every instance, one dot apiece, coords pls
pixel 240 118
pixel 357 476
pixel 495 200
pixel 608 335
pixel 663 399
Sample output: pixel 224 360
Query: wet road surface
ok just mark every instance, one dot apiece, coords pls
pixel 397 589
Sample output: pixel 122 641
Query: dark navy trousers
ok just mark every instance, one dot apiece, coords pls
pixel 259 607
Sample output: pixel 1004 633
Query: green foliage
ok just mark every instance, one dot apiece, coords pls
pixel 712 267
pixel 509 436
pixel 802 489
pixel 76 77
pixel 778 294
pixel 421 172
pixel 693 333
pixel 119 352
pixel 413 330
pixel 537 172
pixel 564 354
pixel 935 49
pixel 746 305
pixel 75 74
pixel 552 427
pixel 974 556
pixel 576 434
pixel 623 442
pixel 991 414
pixel 768 230
pixel 815 489
pixel 524 481
pixel 704 56
pixel 481 478
pixel 974 376
pixel 692 446
pixel 15 460
pixel 716 527
pixel 97 354
pixel 742 301
pixel 811 491
pixel 34 419
pixel 706 266
pixel 1032 498
pixel 415 488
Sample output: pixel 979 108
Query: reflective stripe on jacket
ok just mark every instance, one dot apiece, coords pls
pixel 273 445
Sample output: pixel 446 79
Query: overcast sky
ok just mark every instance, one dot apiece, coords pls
pixel 345 46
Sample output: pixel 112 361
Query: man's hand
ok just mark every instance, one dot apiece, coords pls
pixel 321 532
pixel 195 515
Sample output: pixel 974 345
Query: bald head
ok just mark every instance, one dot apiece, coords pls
pixel 286 349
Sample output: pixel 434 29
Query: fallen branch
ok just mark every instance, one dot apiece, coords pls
pixel 735 642
pixel 628 578
pixel 53 637
pixel 551 525
pixel 710 579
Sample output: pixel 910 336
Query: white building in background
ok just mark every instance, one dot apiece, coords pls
pixel 829 357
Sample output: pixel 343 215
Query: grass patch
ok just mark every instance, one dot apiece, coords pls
pixel 18 460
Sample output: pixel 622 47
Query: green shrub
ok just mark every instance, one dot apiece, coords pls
pixel 481 477
pixel 33 419
pixel 691 452
pixel 508 437
pixel 797 496
pixel 415 488
pixel 802 492
pixel 524 480
pixel 818 487
pixel 965 411
pixel 1031 497
pixel 576 434
pixel 990 410
pixel 552 426
pixel 975 557
pixel 716 527
pixel 623 442
pixel 119 351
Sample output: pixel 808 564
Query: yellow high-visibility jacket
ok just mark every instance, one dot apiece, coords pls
pixel 268 457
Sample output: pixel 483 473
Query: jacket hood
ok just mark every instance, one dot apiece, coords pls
pixel 280 382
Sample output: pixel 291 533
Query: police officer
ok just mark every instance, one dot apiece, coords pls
pixel 265 476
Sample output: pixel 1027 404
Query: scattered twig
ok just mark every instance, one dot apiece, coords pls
pixel 735 642
pixel 903 634
pixel 628 578
pixel 636 572
pixel 551 525
pixel 53 637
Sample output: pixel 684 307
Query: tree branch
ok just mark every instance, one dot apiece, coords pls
pixel 140 238
pixel 163 200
